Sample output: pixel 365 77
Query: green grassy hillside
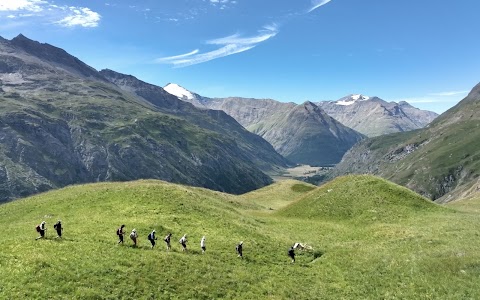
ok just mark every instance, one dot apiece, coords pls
pixel 360 198
pixel 429 253
pixel 277 195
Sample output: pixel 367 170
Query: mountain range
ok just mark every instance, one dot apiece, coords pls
pixel 62 123
pixel 314 133
pixel 440 161
pixel 303 133
pixel 373 116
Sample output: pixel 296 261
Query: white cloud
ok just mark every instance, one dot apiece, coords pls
pixel 61 15
pixel 317 3
pixel 80 16
pixel 28 5
pixel 451 93
pixel 232 44
pixel 222 4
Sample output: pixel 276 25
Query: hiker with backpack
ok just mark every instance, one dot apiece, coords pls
pixel 134 236
pixel 120 234
pixel 183 242
pixel 151 237
pixel 202 245
pixel 167 241
pixel 41 228
pixel 291 254
pixel 239 249
pixel 58 227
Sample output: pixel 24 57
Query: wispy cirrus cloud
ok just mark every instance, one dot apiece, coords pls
pixel 317 3
pixel 450 93
pixel 442 97
pixel 66 16
pixel 229 45
pixel 235 43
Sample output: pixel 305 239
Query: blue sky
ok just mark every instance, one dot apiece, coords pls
pixel 422 51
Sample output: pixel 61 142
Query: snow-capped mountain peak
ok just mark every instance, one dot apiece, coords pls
pixel 349 100
pixel 178 91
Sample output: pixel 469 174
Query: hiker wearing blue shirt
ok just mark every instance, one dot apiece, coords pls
pixel 151 237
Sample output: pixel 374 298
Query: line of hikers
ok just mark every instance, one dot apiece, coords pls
pixel 41 228
pixel 152 238
pixel 183 241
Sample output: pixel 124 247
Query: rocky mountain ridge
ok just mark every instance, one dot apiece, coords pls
pixel 302 133
pixel 373 116
pixel 62 123
pixel 440 161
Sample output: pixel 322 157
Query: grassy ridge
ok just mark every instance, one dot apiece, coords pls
pixel 429 253
pixel 362 198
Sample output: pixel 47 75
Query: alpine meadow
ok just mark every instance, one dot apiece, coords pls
pixel 396 245
pixel 239 149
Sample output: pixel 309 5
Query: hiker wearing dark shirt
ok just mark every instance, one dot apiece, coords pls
pixel 239 249
pixel 151 237
pixel 167 241
pixel 58 227
pixel 41 229
pixel 291 253
pixel 120 234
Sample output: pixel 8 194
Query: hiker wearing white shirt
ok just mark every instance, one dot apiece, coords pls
pixel 183 241
pixel 134 236
pixel 41 229
pixel 202 244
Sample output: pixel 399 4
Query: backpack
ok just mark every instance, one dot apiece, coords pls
pixel 150 237
pixel 37 228
pixel 118 231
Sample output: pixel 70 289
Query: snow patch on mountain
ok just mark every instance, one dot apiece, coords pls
pixel 178 91
pixel 352 99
